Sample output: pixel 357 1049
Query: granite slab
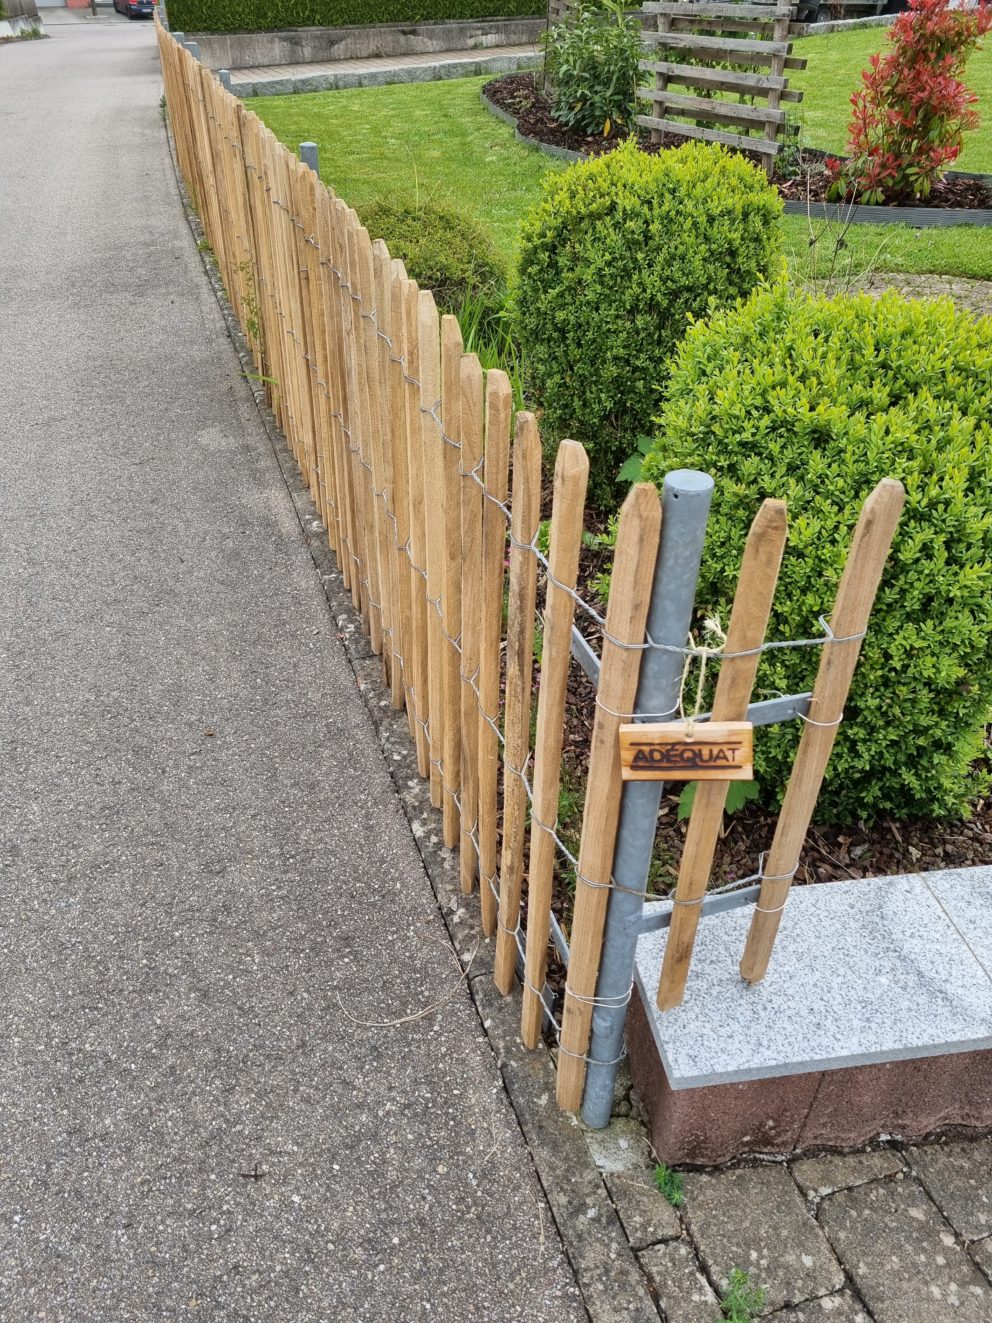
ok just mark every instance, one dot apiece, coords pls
pixel 965 895
pixel 863 972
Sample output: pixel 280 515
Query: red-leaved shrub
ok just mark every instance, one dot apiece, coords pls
pixel 913 110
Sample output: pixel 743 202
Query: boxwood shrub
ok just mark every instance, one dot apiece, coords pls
pixel 445 251
pixel 815 399
pixel 269 15
pixel 614 260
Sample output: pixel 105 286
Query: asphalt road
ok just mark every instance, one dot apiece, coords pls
pixel 205 877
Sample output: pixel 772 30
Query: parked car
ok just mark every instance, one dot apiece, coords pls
pixel 135 8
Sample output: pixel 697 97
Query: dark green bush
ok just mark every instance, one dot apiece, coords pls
pixel 614 260
pixel 444 251
pixel 267 15
pixel 815 400
pixel 593 63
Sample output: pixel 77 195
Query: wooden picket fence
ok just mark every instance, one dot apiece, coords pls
pixel 405 445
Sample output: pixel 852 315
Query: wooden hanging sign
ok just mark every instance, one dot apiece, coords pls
pixel 687 751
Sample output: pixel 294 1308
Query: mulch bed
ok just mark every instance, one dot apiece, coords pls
pixel 521 96
pixel 811 185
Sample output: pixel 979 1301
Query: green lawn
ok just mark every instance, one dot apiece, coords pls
pixel 427 139
pixel 437 140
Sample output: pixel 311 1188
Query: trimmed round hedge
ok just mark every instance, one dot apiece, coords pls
pixel 443 251
pixel 614 261
pixel 815 400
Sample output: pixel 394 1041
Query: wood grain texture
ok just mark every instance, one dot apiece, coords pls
pixel 451 582
pixel 521 603
pixel 473 436
pixel 401 493
pixel 499 406
pixel 863 569
pixel 432 477
pixel 753 600
pixel 630 594
pixel 567 521
pixel 686 751
pixel 419 660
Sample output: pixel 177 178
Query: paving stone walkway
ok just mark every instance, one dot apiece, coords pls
pixel 337 75
pixel 898 1234
pixel 970 295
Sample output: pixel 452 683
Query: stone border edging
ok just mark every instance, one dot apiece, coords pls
pixel 915 217
pixel 846 24
pixel 612 1285
pixel 349 79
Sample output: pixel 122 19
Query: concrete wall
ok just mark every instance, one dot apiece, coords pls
pixel 13 27
pixel 249 50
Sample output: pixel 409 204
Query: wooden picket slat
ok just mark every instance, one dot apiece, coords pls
pixel 567 515
pixel 451 599
pixel 429 334
pixel 472 433
pixel 355 363
pixel 337 402
pixel 859 583
pixel 318 360
pixel 330 387
pixel 401 486
pixel 526 518
pixel 373 451
pixel 626 615
pixel 393 460
pixel 745 634
pixel 420 659
pixel 499 405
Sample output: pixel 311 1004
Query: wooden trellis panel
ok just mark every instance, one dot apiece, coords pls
pixel 558 10
pixel 690 43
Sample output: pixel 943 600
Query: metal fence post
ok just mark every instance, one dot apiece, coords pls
pixel 308 155
pixel 180 37
pixel 194 49
pixel 686 497
pixel 225 78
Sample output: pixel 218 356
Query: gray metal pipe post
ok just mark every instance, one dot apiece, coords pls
pixel 308 155
pixel 180 37
pixel 194 48
pixel 225 78
pixel 685 501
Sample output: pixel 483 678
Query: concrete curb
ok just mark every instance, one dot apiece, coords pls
pixel 612 1284
pixel 846 24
